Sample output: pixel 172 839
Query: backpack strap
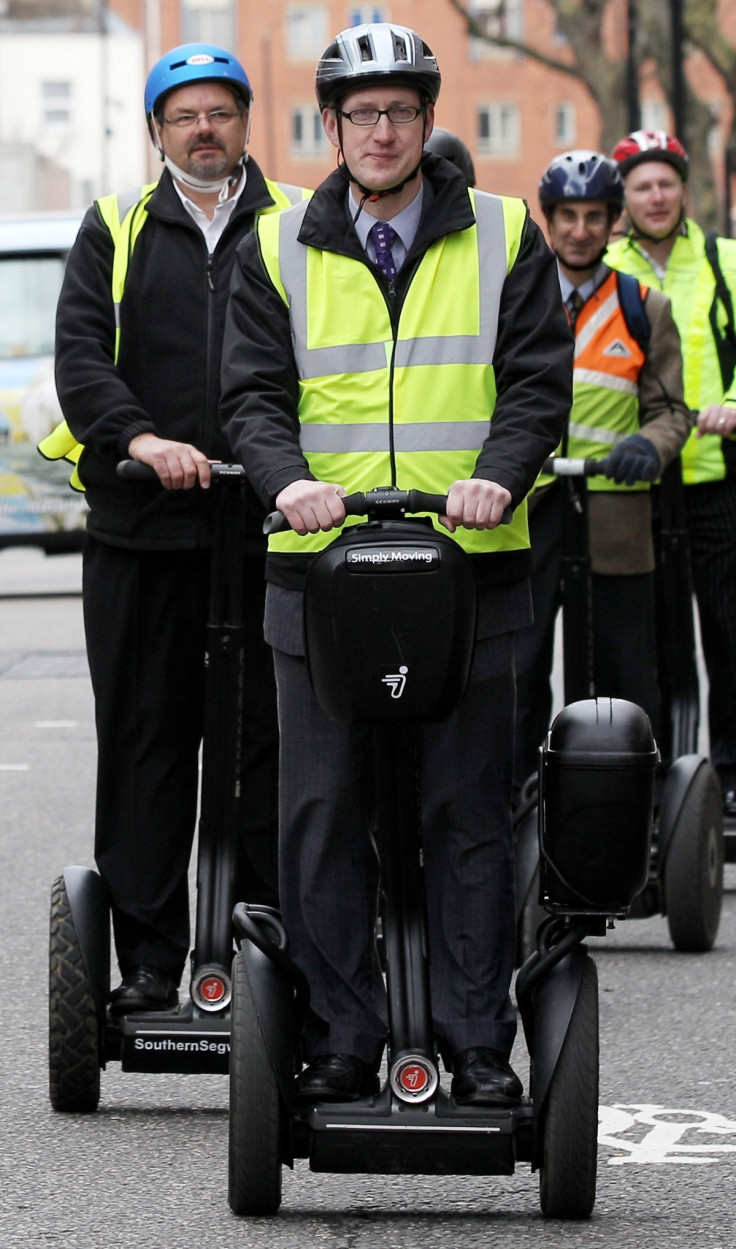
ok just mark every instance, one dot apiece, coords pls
pixel 724 336
pixel 632 306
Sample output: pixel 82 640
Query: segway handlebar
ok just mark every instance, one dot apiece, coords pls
pixel 385 502
pixel 564 466
pixel 136 470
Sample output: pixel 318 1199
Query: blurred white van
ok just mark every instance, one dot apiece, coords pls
pixel 37 506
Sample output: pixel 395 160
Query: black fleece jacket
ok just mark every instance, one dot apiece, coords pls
pixel 167 378
pixel 532 360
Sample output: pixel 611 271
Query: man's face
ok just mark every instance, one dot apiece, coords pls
pixel 578 231
pixel 654 198
pixel 210 147
pixel 383 155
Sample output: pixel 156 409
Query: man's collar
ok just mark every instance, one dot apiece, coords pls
pixel 228 204
pixel 405 223
pixel 586 288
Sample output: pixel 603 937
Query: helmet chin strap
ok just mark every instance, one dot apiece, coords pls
pixel 590 264
pixel 372 196
pixel 223 185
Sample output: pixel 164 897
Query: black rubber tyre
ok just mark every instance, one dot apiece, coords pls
pixel 567 1175
pixel 254 1166
pixel 74 1035
pixel 693 870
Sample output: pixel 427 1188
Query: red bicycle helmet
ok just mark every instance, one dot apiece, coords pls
pixel 643 145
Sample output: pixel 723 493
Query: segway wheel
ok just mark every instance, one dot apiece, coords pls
pixel 254 1183
pixel 74 1030
pixel 567 1176
pixel 693 870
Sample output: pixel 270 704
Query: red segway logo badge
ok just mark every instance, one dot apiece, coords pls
pixel 414 1078
pixel 212 989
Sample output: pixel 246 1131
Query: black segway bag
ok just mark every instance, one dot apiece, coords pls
pixel 389 617
pixel 596 800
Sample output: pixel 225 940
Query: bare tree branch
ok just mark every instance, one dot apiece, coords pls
pixel 477 30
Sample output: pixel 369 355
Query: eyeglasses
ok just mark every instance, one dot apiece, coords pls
pixel 398 115
pixel 218 119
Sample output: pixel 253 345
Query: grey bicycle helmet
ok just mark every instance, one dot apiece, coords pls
pixel 374 53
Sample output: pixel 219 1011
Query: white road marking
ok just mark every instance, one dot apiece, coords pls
pixel 648 1134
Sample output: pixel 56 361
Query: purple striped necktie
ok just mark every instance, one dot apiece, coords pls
pixel 383 236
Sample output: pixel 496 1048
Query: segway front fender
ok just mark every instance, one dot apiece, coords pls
pixel 680 776
pixel 273 994
pixel 89 904
pixel 554 1001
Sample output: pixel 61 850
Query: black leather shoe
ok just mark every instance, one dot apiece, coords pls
pixel 144 988
pixel 729 804
pixel 336 1078
pixel 484 1077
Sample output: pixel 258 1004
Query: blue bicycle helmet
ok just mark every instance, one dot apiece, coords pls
pixel 194 62
pixel 581 175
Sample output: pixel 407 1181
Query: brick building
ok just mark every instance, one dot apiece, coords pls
pixel 513 113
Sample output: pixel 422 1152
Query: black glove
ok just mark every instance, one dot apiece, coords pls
pixel 634 459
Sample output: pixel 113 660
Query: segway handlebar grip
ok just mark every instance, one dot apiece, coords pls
pixel 564 466
pixel 136 470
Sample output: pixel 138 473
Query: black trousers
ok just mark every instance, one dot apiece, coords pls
pixel 329 871
pixel 145 614
pixel 711 519
pixel 624 640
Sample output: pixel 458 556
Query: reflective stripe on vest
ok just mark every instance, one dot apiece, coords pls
pixel 125 215
pixel 690 284
pixel 410 406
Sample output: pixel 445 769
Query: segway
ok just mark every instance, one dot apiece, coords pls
pixel 372 659
pixel 194 1037
pixel 685 878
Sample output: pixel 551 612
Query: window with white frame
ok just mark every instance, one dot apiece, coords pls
pixel 307 134
pixel 361 14
pixel 208 21
pixel 565 125
pixel 307 31
pixel 56 102
pixel 498 129
pixel 502 18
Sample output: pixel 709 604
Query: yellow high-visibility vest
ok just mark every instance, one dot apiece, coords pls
pixel 690 283
pixel 411 403
pixel 125 215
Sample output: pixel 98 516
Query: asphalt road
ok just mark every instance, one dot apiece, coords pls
pixel 150 1167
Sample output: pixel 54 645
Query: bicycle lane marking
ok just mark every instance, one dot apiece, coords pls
pixel 647 1134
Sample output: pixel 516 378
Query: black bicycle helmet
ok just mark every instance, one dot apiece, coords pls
pixel 374 53
pixel 445 143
